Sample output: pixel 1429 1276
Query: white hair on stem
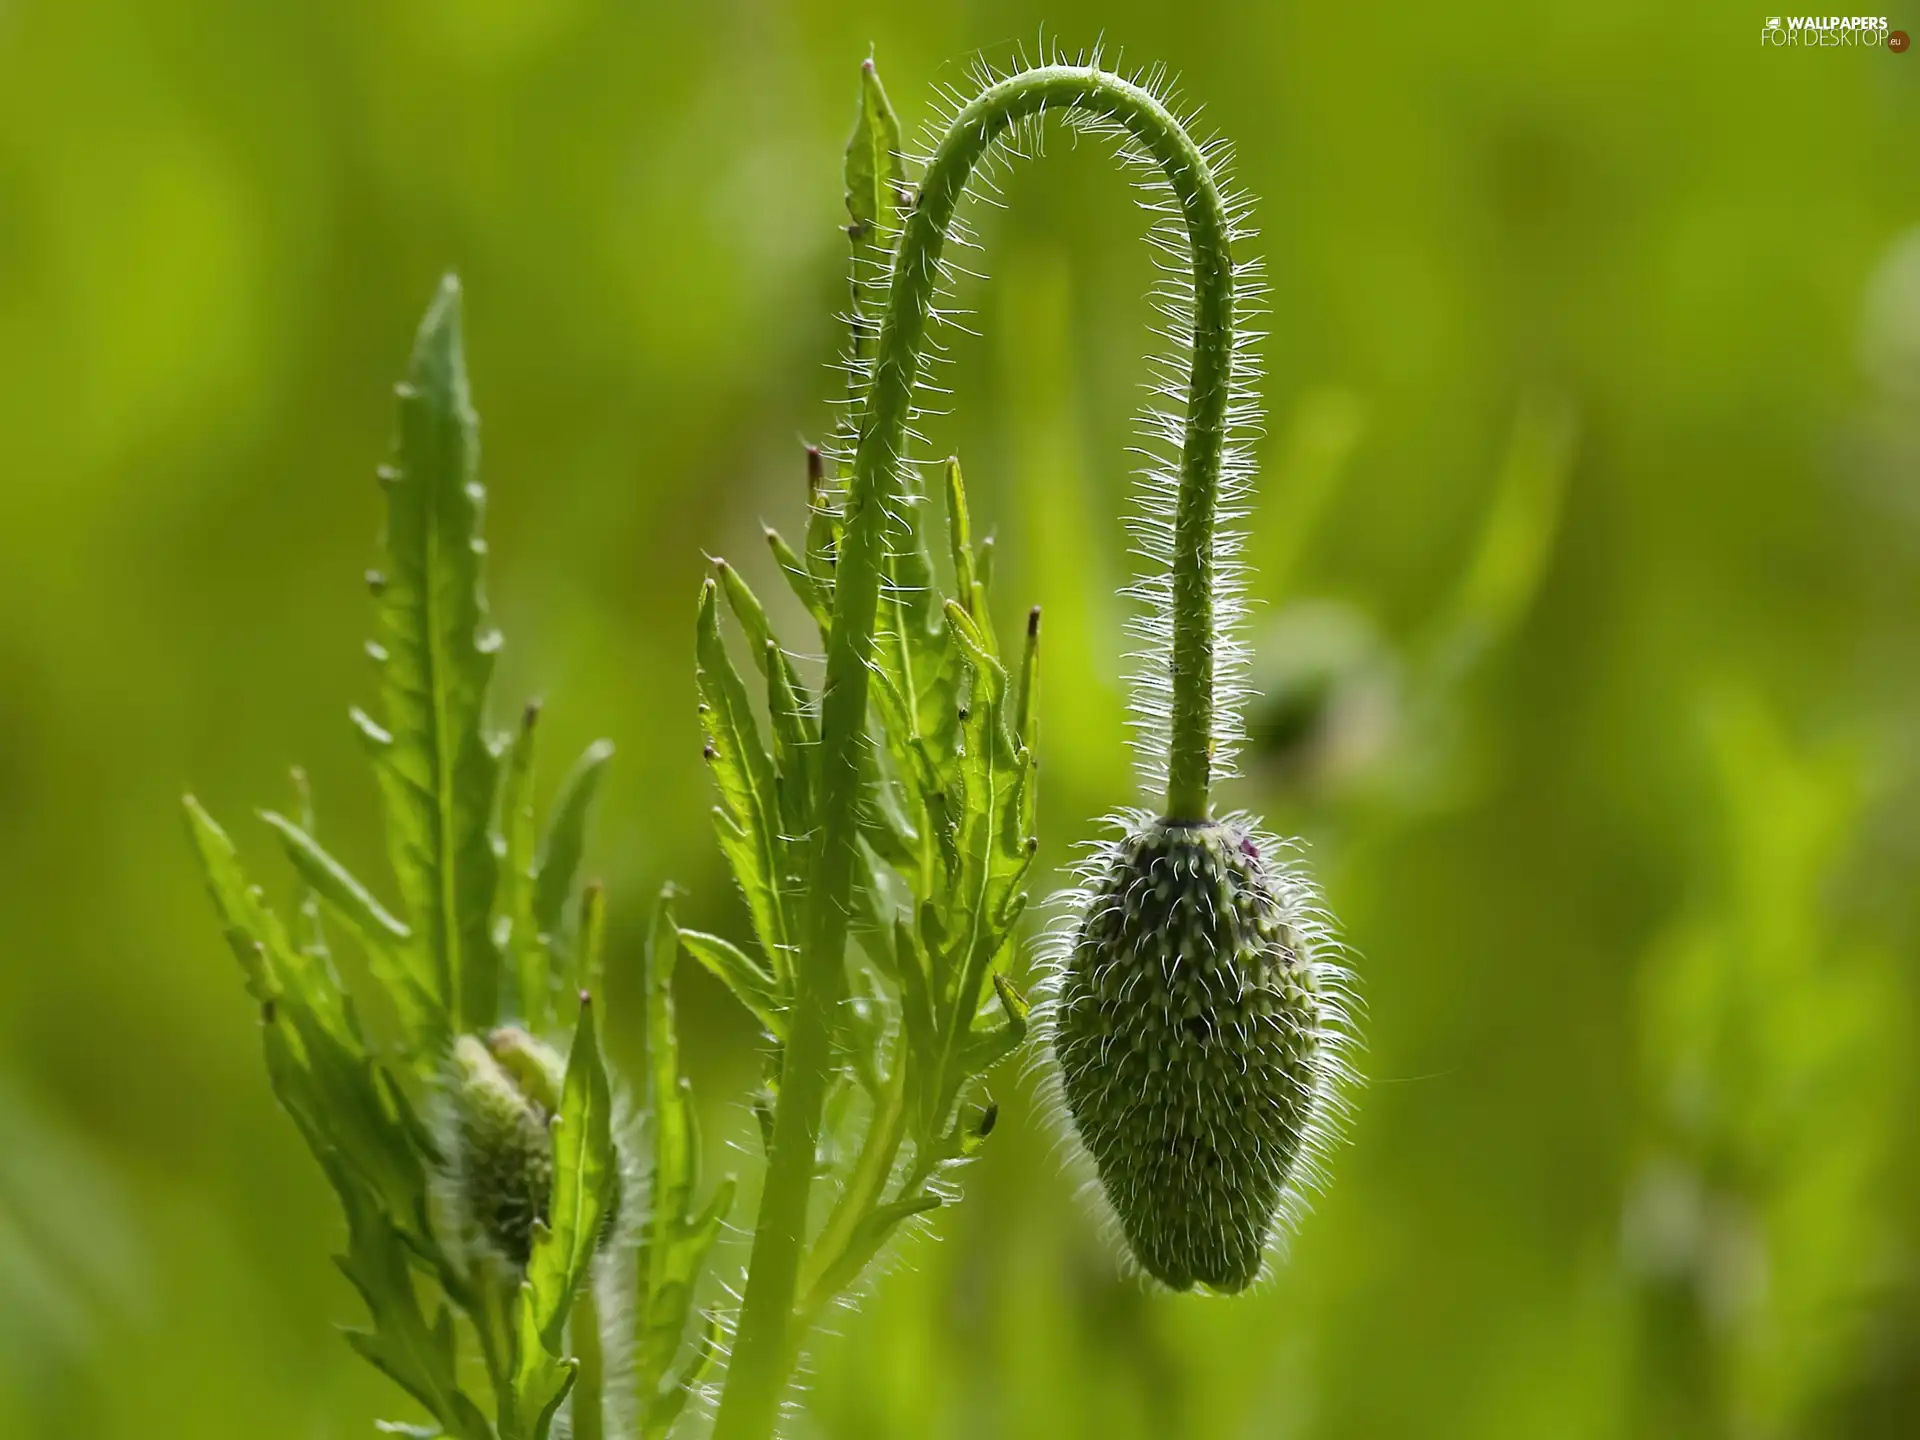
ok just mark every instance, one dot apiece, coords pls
pixel 1160 429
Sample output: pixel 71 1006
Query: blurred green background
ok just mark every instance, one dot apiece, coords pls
pixel 1588 639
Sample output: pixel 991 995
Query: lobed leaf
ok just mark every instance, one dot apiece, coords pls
pixel 971 594
pixel 418 1355
pixel 593 937
pixel 357 1122
pixel 800 580
pixel 746 607
pixel 748 819
pixel 349 1112
pixel 675 1242
pixel 673 1122
pixel 541 1381
pixel 876 188
pixel 750 983
pixel 563 845
pixel 987 1048
pixel 250 929
pixel 994 850
pixel 516 930
pixel 676 1260
pixel 436 652
pixel 585 1173
pixel 393 959
pixel 312 935
pixel 875 176
pixel 796 741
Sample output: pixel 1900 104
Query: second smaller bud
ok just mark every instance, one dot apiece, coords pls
pixel 505 1090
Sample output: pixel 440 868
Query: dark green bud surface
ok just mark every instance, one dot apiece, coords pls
pixel 1189 1034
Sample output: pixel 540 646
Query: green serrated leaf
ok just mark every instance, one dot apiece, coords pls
pixel 875 189
pixel 541 1380
pixel 876 905
pixel 516 930
pixel 676 1260
pixel 796 742
pixel 876 179
pixel 391 956
pixel 800 580
pixel 673 1134
pixel 419 1356
pixel 751 985
pixel 912 644
pixel 311 936
pixel 824 520
pixel 276 971
pixel 585 1172
pixel 746 607
pixel 564 845
pixel 338 1101
pixel 590 973
pixel 972 596
pixel 749 815
pixel 436 650
pixel 987 1048
pixel 248 926
pixel 972 924
pixel 916 998
pixel 675 1242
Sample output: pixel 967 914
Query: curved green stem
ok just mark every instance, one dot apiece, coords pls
pixel 765 1345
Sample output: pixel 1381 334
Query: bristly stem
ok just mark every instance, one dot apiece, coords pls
pixel 766 1343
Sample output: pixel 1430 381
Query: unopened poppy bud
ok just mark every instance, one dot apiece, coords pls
pixel 1197 1037
pixel 504 1151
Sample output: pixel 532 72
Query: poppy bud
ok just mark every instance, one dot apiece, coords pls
pixel 504 1150
pixel 1197 1036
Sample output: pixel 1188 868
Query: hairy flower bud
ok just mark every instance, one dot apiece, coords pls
pixel 506 1092
pixel 1196 1036
pixel 504 1149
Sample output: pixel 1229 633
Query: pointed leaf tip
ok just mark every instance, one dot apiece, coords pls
pixel 439 362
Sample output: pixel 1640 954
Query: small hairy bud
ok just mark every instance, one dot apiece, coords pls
pixel 506 1092
pixel 1193 1039
pixel 504 1150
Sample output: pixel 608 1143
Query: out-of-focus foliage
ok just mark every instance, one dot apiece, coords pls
pixel 216 224
pixel 1758 1230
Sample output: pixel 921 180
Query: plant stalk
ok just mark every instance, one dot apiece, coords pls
pixel 766 1344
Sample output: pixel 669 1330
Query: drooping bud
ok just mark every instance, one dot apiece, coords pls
pixel 1195 1037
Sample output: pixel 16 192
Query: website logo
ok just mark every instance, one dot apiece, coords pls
pixel 1825 32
